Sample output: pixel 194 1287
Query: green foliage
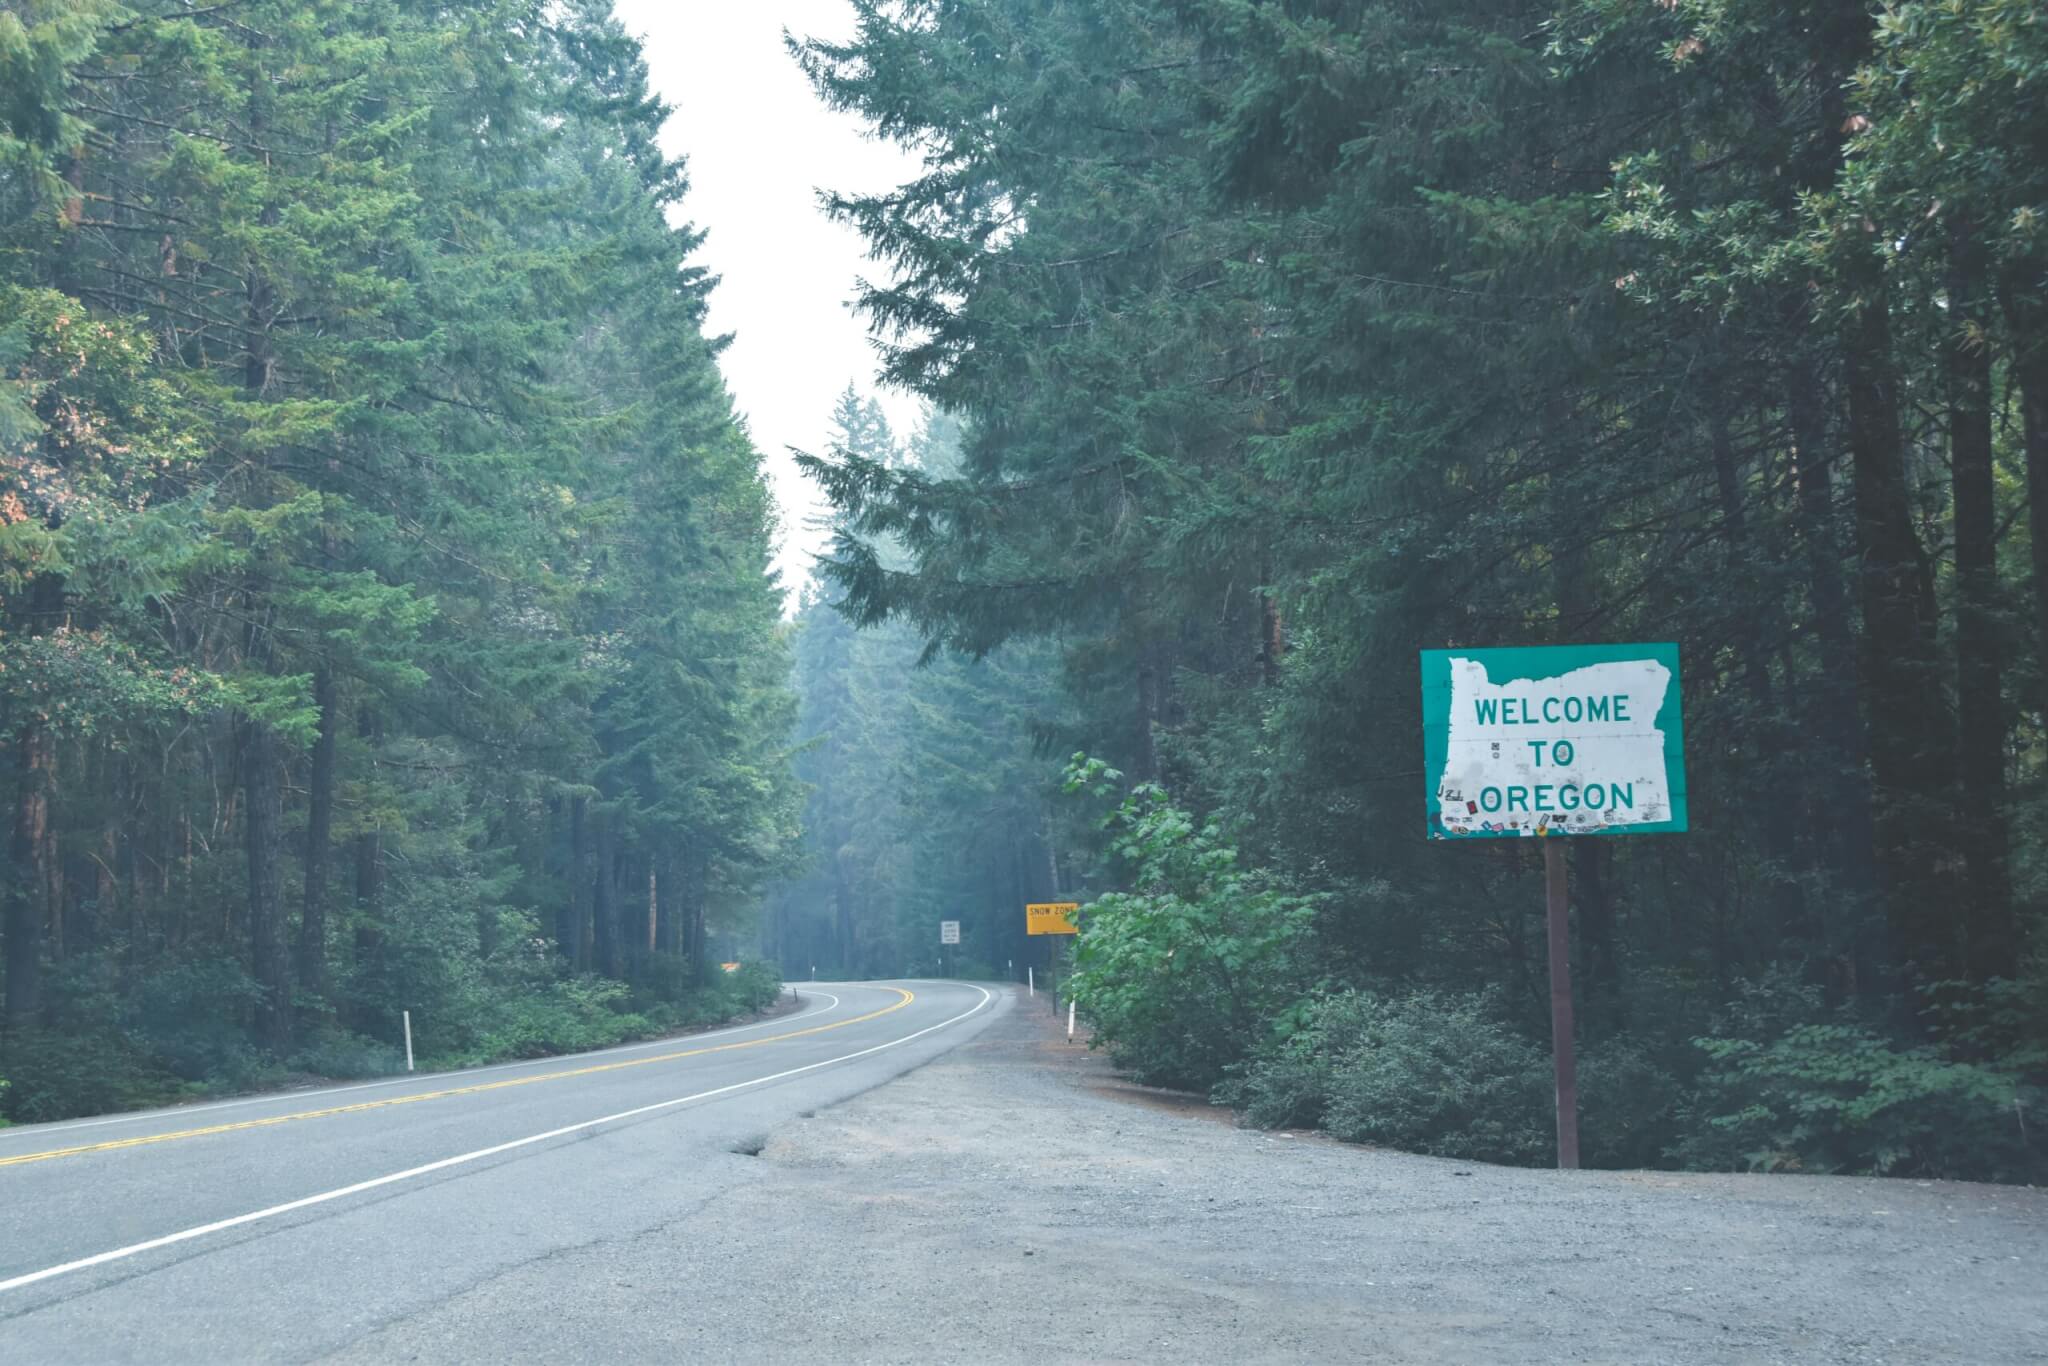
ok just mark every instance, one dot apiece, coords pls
pixel 386 620
pixel 57 1074
pixel 1427 1071
pixel 1180 973
pixel 929 788
pixel 1841 1098
pixel 1287 338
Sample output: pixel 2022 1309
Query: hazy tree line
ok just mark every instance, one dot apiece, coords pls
pixel 929 782
pixel 385 620
pixel 1291 336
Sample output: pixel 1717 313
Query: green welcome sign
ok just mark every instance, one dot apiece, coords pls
pixel 1553 740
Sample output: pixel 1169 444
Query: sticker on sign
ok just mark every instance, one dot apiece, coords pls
pixel 1553 740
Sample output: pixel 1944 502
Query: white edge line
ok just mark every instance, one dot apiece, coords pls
pixel 306 1201
pixel 276 1097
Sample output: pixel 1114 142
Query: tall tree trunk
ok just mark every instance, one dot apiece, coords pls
pixel 1146 764
pixel 1777 836
pixel 270 962
pixel 33 848
pixel 668 929
pixel 369 851
pixel 312 954
pixel 842 900
pixel 28 896
pixel 653 909
pixel 700 938
pixel 575 939
pixel 1907 731
pixel 604 910
pixel 2024 292
pixel 1989 932
pixel 1832 703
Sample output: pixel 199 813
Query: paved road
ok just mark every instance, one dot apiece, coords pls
pixel 287 1227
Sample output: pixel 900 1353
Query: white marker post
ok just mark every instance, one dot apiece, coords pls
pixel 408 1040
pixel 1030 981
pixel 1070 1019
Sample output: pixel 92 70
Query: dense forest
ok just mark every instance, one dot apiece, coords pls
pixel 387 623
pixel 1289 337
pixel 931 791
pixel 386 619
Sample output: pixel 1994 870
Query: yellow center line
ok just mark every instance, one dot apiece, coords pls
pixel 388 1101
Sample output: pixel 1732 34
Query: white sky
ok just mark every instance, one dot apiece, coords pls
pixel 759 144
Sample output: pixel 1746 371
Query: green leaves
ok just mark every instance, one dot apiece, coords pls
pixel 1840 1097
pixel 1181 973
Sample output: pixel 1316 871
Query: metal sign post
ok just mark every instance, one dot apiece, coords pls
pixel 1051 918
pixel 1554 742
pixel 1564 1059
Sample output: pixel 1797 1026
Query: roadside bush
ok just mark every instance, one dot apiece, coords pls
pixel 1287 1083
pixel 1441 1073
pixel 60 1075
pixel 1430 1072
pixel 565 1016
pixel 193 1015
pixel 338 1053
pixel 1180 975
pixel 1628 1104
pixel 1841 1098
pixel 756 986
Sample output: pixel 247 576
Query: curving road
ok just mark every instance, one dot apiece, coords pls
pixel 286 1227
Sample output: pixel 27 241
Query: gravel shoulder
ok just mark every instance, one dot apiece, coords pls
pixel 1013 1200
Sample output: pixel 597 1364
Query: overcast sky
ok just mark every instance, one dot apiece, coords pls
pixel 759 145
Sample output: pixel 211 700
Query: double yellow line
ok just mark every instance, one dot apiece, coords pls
pixel 145 1140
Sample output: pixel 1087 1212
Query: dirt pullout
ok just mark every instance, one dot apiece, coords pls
pixel 996 1205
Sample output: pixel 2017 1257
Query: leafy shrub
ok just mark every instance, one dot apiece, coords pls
pixel 1430 1072
pixel 567 1016
pixel 1628 1105
pixel 1441 1073
pixel 1287 1083
pixel 192 1015
pixel 338 1053
pixel 58 1074
pixel 1180 974
pixel 1841 1098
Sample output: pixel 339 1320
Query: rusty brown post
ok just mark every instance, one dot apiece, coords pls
pixel 1557 907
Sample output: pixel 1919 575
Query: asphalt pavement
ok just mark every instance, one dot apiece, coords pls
pixel 1016 1201
pixel 287 1227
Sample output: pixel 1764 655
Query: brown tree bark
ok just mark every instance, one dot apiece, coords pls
pixel 1832 698
pixel 1907 731
pixel 270 962
pixel 1777 836
pixel 604 916
pixel 576 941
pixel 2024 293
pixel 369 860
pixel 1146 765
pixel 30 901
pixel 842 900
pixel 1984 922
pixel 699 892
pixel 28 897
pixel 312 947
